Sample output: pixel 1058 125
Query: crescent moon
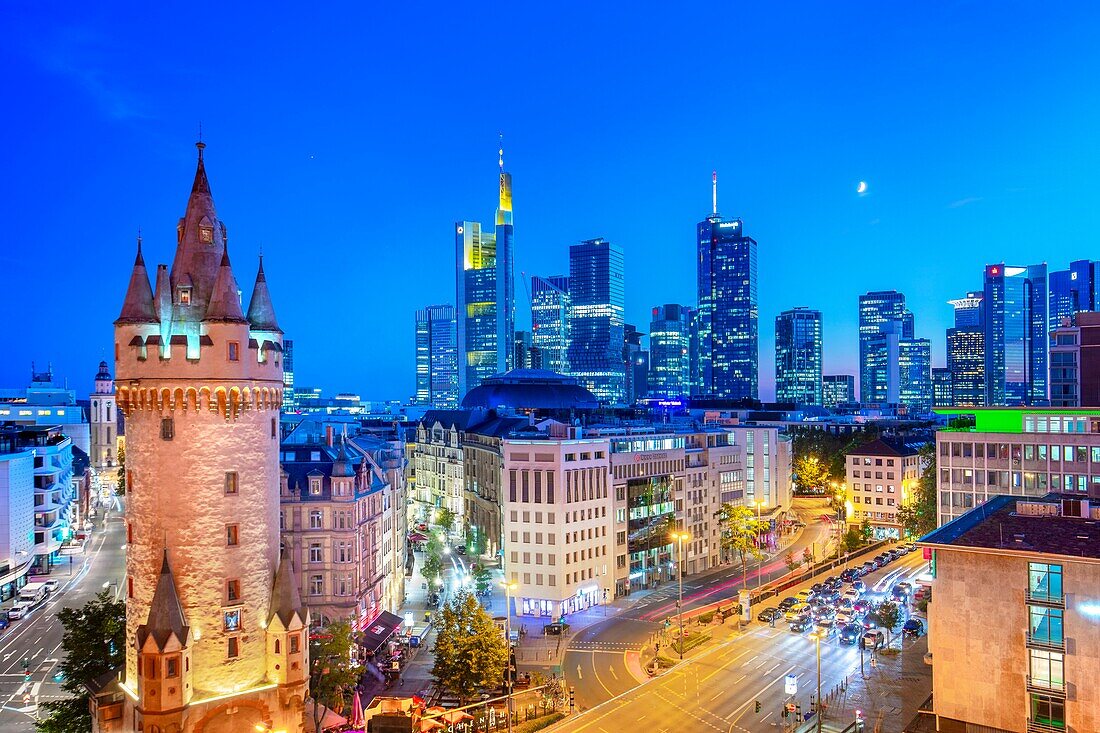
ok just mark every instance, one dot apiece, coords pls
pixel 862 188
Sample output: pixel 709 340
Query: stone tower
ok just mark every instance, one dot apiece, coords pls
pixel 200 384
pixel 104 423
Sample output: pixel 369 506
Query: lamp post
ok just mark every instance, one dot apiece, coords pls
pixel 817 639
pixel 508 588
pixel 760 562
pixel 679 537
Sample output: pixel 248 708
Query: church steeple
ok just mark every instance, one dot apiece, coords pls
pixel 138 305
pixel 261 312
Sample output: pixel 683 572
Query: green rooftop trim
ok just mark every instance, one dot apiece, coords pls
pixel 1010 419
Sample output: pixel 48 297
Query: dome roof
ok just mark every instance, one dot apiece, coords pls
pixel 530 389
pixel 104 374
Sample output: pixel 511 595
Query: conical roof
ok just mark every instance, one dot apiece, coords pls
pixel 201 245
pixel 225 299
pixel 261 313
pixel 165 611
pixel 138 305
pixel 342 467
pixel 286 601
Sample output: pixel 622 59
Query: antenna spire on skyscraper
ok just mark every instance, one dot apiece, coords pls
pixel 500 152
pixel 714 192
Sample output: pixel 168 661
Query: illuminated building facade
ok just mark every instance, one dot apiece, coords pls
pixel 915 375
pixel 883 321
pixel 289 402
pixel 942 392
pixel 437 357
pixel 838 390
pixel 596 318
pixel 966 352
pixel 1072 291
pixel 798 357
pixel 485 304
pixel 882 477
pixel 550 321
pixel 1014 312
pixel 669 344
pixel 103 420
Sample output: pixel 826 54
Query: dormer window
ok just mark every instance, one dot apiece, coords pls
pixel 184 297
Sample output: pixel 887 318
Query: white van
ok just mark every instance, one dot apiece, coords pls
pixel 33 593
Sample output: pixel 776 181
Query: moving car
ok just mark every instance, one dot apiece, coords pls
pixel 787 602
pixel 861 606
pixel 872 639
pixel 804 595
pixel 798 611
pixel 19 610
pixel 849 575
pixel 914 627
pixel 860 586
pixel 51 585
pixel 800 625
pixel 844 617
pixel 850 633
pixel 823 612
pixel 851 595
pixel 817 588
pixel 825 627
pixel 769 614
pixel 833 582
pixel 899 593
pixel 871 621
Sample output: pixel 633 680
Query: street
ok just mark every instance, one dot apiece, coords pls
pixel 37 637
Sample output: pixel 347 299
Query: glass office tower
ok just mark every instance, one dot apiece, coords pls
pixel 798 357
pixel 966 352
pixel 915 375
pixel 437 357
pixel 485 304
pixel 550 321
pixel 837 390
pixel 597 309
pixel 880 312
pixel 1014 311
pixel 727 325
pixel 669 351
pixel 1072 291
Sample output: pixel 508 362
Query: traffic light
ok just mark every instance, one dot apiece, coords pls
pixel 668 621
pixel 758 706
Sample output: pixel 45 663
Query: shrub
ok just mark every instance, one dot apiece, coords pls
pixel 705 618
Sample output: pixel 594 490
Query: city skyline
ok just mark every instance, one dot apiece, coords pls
pixel 350 188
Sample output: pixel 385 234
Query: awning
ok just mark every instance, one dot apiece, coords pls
pixel 378 631
pixel 417 537
pixel 329 719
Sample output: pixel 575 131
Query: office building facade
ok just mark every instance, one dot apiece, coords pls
pixel 437 357
pixel 289 402
pixel 883 321
pixel 838 390
pixel 882 477
pixel 798 357
pixel 550 321
pixel 635 364
pixel 943 394
pixel 596 318
pixel 669 351
pixel 966 351
pixel 915 375
pixel 1072 291
pixel 1014 312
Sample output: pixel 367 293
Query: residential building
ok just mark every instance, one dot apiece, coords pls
pixel 728 329
pixel 882 477
pixel 289 402
pixel 437 357
pixel 485 305
pixel 200 383
pixel 550 321
pixel 382 534
pixel 596 312
pixel 1014 312
pixel 966 351
pixel 1029 569
pixel 838 390
pixel 669 342
pixel 798 357
pixel 915 375
pixel 942 391
pixel 1025 452
pixel 45 403
pixel 635 364
pixel 103 419
pixel 883 320
pixel 436 460
pixel 1073 291
pixel 483 471
pixel 17 508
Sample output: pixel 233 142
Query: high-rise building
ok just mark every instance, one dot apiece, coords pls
pixel 915 375
pixel 1014 312
pixel 727 325
pixel 596 318
pixel 838 390
pixel 943 394
pixel 669 345
pixel 521 350
pixel 485 305
pixel 966 352
pixel 550 321
pixel 289 401
pixel 798 356
pixel 1072 291
pixel 216 630
pixel 635 364
pixel 437 357
pixel 104 427
pixel 880 312
pixel 1065 366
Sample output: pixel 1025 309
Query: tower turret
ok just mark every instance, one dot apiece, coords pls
pixel 287 658
pixel 164 648
pixel 138 305
pixel 261 313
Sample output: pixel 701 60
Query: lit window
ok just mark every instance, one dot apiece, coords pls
pixel 232 590
pixel 233 620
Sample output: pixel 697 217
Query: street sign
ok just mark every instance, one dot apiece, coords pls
pixel 790 684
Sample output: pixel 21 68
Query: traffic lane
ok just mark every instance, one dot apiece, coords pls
pixel 596 675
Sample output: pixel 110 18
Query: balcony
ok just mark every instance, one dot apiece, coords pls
pixel 1056 688
pixel 1046 598
pixel 1035 726
pixel 1045 642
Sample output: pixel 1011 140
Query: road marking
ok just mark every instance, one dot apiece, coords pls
pixel 720 667
pixel 759 694
pixel 612 671
pixel 766 717
pixel 772 669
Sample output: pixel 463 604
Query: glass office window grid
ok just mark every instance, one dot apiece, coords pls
pixel 798 357
pixel 596 318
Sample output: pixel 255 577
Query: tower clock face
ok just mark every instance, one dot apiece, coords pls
pixel 206 235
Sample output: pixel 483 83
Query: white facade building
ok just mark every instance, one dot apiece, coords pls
pixel 103 419
pixel 16 512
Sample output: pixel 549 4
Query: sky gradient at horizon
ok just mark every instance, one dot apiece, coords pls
pixel 347 141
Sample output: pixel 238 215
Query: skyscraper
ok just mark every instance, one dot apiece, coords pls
pixel 878 310
pixel 521 350
pixel 596 318
pixel 838 390
pixel 798 356
pixel 915 375
pixel 1073 290
pixel 942 392
pixel 966 352
pixel 669 344
pixel 1014 309
pixel 485 305
pixel 727 325
pixel 437 357
pixel 290 402
pixel 550 321
pixel 635 364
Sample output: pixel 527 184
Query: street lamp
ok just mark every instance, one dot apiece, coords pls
pixel 759 562
pixel 679 537
pixel 817 636
pixel 508 589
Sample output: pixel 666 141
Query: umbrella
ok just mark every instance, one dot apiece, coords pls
pixel 417 537
pixel 356 710
pixel 429 724
pixel 456 716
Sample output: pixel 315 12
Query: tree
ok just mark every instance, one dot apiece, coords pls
pixel 470 651
pixel 120 486
pixel 889 614
pixel 483 579
pixel 94 642
pixel 918 511
pixel 811 473
pixel 433 567
pixel 330 671
pixel 807 555
pixel 741 531
pixel 446 519
pixel 791 561
pixel 866 531
pixel 853 539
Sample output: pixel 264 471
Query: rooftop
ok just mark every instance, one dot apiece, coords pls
pixel 887 447
pixel 1009 419
pixel 530 389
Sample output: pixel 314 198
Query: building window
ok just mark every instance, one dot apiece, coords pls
pixel 315 519
pixel 151 667
pixel 293 643
pixel 315 486
pixel 185 296
pixel 1044 581
pixel 232 620
pixel 231 482
pixel 1048 711
pixel 232 647
pixel 232 536
pixel 167 429
pixel 234 351
pixel 232 590
pixel 1047 669
pixel 172 667
pixel 1045 625
pixel 274 428
pixel 315 552
pixel 316 585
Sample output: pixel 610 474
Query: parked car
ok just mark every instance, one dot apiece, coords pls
pixel 826 627
pixel 800 625
pixel 909 546
pixel 871 621
pixel 787 602
pixel 849 574
pixel 860 586
pixel 829 596
pixel 872 639
pixel 899 593
pixel 922 592
pixel 850 633
pixel 833 582
pixel 851 595
pixel 869 566
pixel 861 606
pixel 798 611
pixel 804 595
pixel 817 588
pixel 845 616
pixel 846 603
pixel 4 623
pixel 824 612
pixel 769 614
pixel 914 627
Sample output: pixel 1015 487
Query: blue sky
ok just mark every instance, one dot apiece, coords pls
pixel 345 140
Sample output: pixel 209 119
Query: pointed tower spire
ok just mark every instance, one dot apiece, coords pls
pixel 201 183
pixel 225 298
pixel 165 611
pixel 200 242
pixel 714 192
pixel 504 207
pixel 261 312
pixel 138 305
pixel 286 601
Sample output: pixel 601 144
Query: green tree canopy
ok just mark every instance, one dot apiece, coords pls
pixel 918 514
pixel 470 651
pixel 889 614
pixel 446 519
pixel 740 532
pixel 330 671
pixel 93 642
